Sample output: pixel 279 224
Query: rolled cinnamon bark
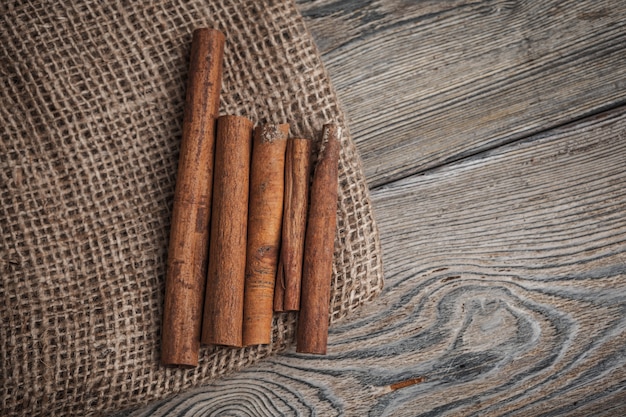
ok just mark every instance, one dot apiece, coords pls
pixel 289 275
pixel 223 303
pixel 312 333
pixel 265 213
pixel 189 235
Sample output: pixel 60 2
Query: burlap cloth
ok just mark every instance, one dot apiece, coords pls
pixel 91 106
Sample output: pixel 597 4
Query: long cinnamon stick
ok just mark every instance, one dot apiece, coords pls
pixel 187 257
pixel 288 278
pixel 264 224
pixel 223 303
pixel 312 333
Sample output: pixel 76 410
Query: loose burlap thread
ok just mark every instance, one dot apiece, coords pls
pixel 91 105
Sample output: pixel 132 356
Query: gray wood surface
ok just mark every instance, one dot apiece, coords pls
pixel 429 82
pixel 494 137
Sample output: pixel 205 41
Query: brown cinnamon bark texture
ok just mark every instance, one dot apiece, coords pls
pixel 189 234
pixel 265 212
pixel 289 275
pixel 223 303
pixel 312 333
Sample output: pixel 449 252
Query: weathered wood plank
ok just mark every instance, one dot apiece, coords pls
pixel 428 82
pixel 505 291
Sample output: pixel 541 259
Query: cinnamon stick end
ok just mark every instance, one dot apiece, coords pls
pixel 270 132
pixel 241 122
pixel 179 358
pixel 209 33
pixel 222 342
pixel 257 335
pixel 312 350
pixel 231 339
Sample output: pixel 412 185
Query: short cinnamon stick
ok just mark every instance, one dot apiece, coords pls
pixel 223 303
pixel 265 212
pixel 289 275
pixel 312 333
pixel 189 235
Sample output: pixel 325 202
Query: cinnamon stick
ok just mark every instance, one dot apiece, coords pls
pixel 312 333
pixel 223 303
pixel 264 225
pixel 189 235
pixel 288 278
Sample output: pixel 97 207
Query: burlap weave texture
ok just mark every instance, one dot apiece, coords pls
pixel 91 105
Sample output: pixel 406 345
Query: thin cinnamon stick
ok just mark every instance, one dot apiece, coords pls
pixel 223 303
pixel 265 212
pixel 312 333
pixel 289 275
pixel 189 235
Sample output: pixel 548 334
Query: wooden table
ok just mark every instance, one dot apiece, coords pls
pixel 493 135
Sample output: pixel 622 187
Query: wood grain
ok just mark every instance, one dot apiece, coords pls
pixel 505 295
pixel 425 82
